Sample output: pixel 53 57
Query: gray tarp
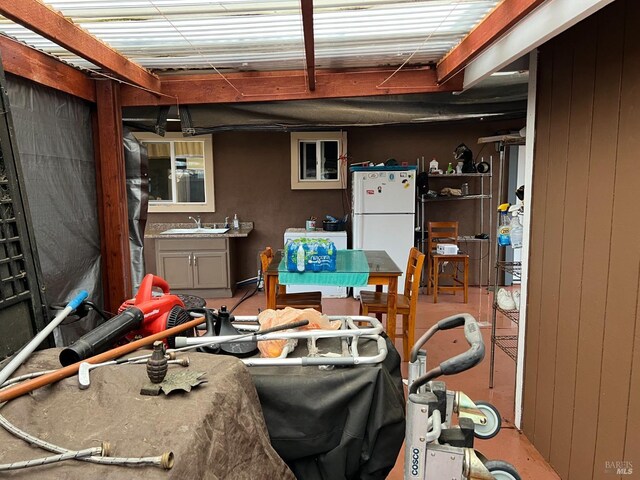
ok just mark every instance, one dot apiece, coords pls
pixel 53 132
pixel 136 164
pixel 216 431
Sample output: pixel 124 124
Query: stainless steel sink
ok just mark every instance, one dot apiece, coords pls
pixel 191 231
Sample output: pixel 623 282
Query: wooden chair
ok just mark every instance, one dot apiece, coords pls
pixel 283 299
pixel 407 304
pixel 445 232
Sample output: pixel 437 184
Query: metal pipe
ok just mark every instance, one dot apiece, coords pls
pixel 437 427
pixel 259 336
pixel 318 361
pixel 36 462
pixel 26 376
pixel 166 460
pixel 28 349
pixel 30 385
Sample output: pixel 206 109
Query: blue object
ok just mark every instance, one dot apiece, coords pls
pixel 310 255
pixel 352 270
pixel 78 299
pixel 504 230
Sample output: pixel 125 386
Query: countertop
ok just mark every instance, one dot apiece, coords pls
pixel 154 230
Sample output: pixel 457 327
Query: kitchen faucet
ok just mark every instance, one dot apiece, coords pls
pixel 197 220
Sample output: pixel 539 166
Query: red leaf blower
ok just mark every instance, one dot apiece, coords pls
pixel 141 316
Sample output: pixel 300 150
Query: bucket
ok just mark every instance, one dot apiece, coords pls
pixel 329 226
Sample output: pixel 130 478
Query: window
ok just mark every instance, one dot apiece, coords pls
pixel 180 172
pixel 318 160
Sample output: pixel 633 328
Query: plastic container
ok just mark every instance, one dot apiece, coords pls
pixel 504 230
pixel 515 233
pixel 236 222
pixel 310 255
pixel 300 259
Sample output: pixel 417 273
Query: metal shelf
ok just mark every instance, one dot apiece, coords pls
pixel 507 343
pixel 510 267
pixel 448 199
pixel 513 315
pixel 446 175
pixel 482 189
pixel 472 239
pixel 509 139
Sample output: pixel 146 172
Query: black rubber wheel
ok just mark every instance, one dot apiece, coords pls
pixel 494 422
pixel 502 470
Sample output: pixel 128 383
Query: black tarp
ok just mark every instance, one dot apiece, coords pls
pixel 495 100
pixel 334 424
pixel 53 133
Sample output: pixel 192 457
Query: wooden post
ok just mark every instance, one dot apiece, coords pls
pixel 112 200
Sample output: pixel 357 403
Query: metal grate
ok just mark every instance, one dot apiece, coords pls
pixel 513 315
pixel 510 267
pixel 508 344
pixel 22 306
pixel 14 286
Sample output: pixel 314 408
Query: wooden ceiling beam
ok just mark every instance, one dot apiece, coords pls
pixel 29 63
pixel 52 25
pixel 501 19
pixel 309 45
pixel 286 85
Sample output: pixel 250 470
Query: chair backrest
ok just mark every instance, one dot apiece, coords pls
pixel 413 275
pixel 266 256
pixel 441 232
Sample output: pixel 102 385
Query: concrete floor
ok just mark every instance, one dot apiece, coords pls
pixel 509 445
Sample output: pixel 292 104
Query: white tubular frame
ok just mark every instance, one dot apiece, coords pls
pixel 349 334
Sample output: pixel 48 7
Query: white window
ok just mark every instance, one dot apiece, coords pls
pixel 318 160
pixel 180 172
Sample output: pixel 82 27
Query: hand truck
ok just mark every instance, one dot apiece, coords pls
pixel 434 449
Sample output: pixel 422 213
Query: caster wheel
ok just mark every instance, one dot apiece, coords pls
pixel 502 470
pixel 494 422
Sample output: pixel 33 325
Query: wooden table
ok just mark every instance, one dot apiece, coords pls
pixel 382 271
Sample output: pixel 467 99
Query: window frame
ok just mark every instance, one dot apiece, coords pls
pixel 209 193
pixel 340 182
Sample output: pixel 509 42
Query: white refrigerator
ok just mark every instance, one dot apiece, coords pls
pixel 340 241
pixel 384 202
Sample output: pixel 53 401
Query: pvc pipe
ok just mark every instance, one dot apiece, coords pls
pixel 22 355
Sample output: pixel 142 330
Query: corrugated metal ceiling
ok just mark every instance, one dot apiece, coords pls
pixel 243 35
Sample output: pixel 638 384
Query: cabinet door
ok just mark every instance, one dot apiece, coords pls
pixel 176 269
pixel 211 270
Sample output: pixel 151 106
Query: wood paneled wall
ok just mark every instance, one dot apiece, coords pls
pixel 582 360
